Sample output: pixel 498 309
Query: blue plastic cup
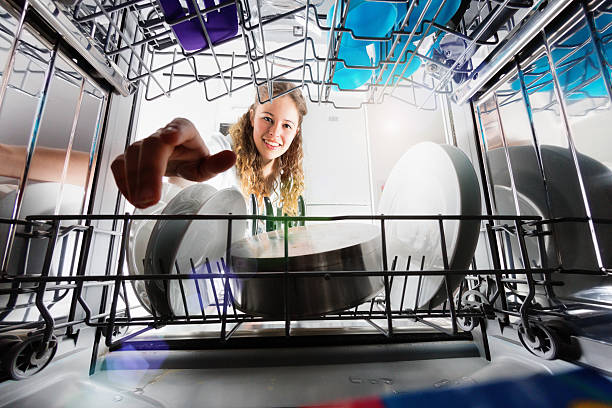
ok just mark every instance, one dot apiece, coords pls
pixel 401 71
pixel 352 78
pixel 366 19
pixel 448 10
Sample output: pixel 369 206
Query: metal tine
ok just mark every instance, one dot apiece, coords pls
pixel 228 295
pixel 371 307
pixel 393 266
pixel 329 47
pixel 405 283
pixel 122 35
pixel 418 293
pixel 263 47
pixel 126 301
pixel 408 41
pixel 212 284
pixel 449 294
pixel 197 286
pixel 210 44
pixel 180 282
pixel 465 52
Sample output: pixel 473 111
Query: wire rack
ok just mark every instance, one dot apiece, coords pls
pixel 296 41
pixel 71 291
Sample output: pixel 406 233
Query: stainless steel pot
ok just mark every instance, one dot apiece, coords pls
pixel 316 247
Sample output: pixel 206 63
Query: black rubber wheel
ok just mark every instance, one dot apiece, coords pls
pixel 24 358
pixel 6 343
pixel 468 323
pixel 545 342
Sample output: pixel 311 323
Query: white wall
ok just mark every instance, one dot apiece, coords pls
pixel 395 126
pixel 336 161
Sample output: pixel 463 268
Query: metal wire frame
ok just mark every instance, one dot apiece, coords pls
pixel 469 304
pixel 150 33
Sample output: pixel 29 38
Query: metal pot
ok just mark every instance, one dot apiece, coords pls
pixel 317 247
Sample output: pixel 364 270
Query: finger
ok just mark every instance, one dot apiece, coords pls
pixel 132 168
pixel 118 169
pixel 154 156
pixel 215 164
pixel 182 132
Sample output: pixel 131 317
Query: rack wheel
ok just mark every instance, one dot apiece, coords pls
pixel 468 323
pixel 24 358
pixel 545 344
pixel 6 343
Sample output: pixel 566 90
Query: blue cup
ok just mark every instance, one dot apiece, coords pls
pixel 366 19
pixel 352 78
pixel 403 68
pixel 446 13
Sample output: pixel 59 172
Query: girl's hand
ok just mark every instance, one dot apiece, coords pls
pixel 174 150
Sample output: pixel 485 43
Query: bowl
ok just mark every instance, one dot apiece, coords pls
pixel 315 247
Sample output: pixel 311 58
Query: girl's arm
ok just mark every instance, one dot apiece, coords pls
pixel 47 164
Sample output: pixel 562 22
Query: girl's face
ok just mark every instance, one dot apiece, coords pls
pixel 275 125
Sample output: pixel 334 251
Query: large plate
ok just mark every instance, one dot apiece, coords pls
pixel 39 199
pixel 571 243
pixel 181 244
pixel 139 232
pixel 430 179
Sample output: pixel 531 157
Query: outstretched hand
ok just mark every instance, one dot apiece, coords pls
pixel 174 150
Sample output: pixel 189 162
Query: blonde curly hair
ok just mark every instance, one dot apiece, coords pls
pixel 289 166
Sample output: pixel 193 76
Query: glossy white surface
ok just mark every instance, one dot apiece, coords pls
pixel 167 234
pixel 429 179
pixel 177 243
pixel 138 238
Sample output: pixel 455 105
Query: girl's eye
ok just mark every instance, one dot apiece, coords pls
pixel 267 119
pixel 287 126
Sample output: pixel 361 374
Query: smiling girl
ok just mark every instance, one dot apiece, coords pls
pixel 264 156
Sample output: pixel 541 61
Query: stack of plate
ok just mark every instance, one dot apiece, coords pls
pixel 183 246
pixel 316 247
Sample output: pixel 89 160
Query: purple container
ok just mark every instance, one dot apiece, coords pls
pixel 220 25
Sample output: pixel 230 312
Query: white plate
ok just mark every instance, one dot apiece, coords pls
pixel 179 243
pixel 572 240
pixel 430 179
pixel 139 233
pixel 38 199
pixel 165 238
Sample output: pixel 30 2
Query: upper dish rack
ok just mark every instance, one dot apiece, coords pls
pixel 296 41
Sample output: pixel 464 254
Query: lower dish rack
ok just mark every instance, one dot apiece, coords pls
pixel 73 290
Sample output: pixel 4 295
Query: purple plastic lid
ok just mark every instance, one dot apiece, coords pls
pixel 220 24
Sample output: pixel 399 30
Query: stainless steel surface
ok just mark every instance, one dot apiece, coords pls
pixel 506 51
pixel 66 28
pixel 315 247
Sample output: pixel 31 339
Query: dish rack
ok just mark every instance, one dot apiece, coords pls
pixel 131 45
pixel 134 44
pixel 52 305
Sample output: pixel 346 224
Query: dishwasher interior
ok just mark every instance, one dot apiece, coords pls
pixel 522 88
